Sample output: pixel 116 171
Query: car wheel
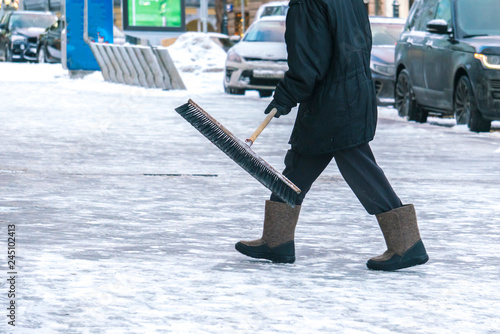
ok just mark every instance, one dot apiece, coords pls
pixel 404 98
pixel 41 56
pixel 465 107
pixel 265 93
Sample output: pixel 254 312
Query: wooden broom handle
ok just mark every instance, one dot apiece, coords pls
pixel 261 127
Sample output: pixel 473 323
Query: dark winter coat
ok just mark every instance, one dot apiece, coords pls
pixel 329 44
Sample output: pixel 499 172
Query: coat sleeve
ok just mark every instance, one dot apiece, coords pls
pixel 309 45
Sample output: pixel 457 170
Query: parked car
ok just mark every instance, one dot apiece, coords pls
pixel 274 8
pixel 385 33
pixel 19 32
pixel 49 44
pixel 259 60
pixel 448 62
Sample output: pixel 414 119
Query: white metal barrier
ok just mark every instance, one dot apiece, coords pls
pixel 136 65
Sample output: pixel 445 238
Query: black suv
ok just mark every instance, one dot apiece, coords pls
pixel 448 62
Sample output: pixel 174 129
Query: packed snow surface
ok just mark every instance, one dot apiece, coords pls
pixel 126 217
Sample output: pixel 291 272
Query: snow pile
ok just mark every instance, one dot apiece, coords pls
pixel 196 52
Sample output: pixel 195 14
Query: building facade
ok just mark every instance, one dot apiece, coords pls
pixel 374 7
pixel 239 15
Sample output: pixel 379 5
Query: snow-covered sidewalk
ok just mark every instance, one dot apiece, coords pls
pixel 126 219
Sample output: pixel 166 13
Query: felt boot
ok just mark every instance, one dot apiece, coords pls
pixel 404 245
pixel 276 243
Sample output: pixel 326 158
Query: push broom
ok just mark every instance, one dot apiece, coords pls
pixel 239 151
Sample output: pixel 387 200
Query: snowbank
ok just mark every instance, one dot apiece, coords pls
pixel 196 52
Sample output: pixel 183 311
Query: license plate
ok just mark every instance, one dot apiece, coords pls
pixel 272 74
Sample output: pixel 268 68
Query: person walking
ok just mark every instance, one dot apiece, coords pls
pixel 329 44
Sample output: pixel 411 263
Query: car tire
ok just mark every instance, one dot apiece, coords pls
pixel 265 93
pixel 405 101
pixel 41 56
pixel 465 107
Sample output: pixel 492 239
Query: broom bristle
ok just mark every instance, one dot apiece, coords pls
pixel 239 152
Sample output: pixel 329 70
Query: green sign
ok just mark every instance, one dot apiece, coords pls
pixel 154 15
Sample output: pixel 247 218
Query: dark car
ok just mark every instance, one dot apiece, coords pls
pixel 49 44
pixel 448 62
pixel 19 31
pixel 385 33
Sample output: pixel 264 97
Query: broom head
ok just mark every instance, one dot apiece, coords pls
pixel 239 152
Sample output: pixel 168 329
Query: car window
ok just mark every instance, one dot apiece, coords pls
pixel 427 13
pixel 386 33
pixel 5 18
pixel 478 20
pixel 414 16
pixel 266 31
pixel 443 11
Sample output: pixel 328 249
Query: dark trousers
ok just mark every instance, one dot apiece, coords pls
pixel 358 168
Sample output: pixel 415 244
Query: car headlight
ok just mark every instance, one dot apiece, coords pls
pixel 490 62
pixel 384 69
pixel 233 56
pixel 18 38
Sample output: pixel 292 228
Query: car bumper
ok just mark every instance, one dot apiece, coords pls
pixel 22 51
pixel 384 87
pixel 487 92
pixel 254 75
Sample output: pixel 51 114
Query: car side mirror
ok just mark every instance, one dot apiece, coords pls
pixel 438 26
pixel 3 26
pixel 235 38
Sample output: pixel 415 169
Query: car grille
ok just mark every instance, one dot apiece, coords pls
pixel 264 82
pixel 33 40
pixel 278 61
pixel 495 84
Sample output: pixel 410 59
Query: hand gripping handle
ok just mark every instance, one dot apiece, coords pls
pixel 261 127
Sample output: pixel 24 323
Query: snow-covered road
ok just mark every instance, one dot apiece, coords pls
pixel 126 219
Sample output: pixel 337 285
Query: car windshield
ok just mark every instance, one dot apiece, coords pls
pixel 478 19
pixel 18 21
pixel 266 31
pixel 386 33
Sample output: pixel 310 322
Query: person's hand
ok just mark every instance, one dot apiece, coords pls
pixel 282 110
